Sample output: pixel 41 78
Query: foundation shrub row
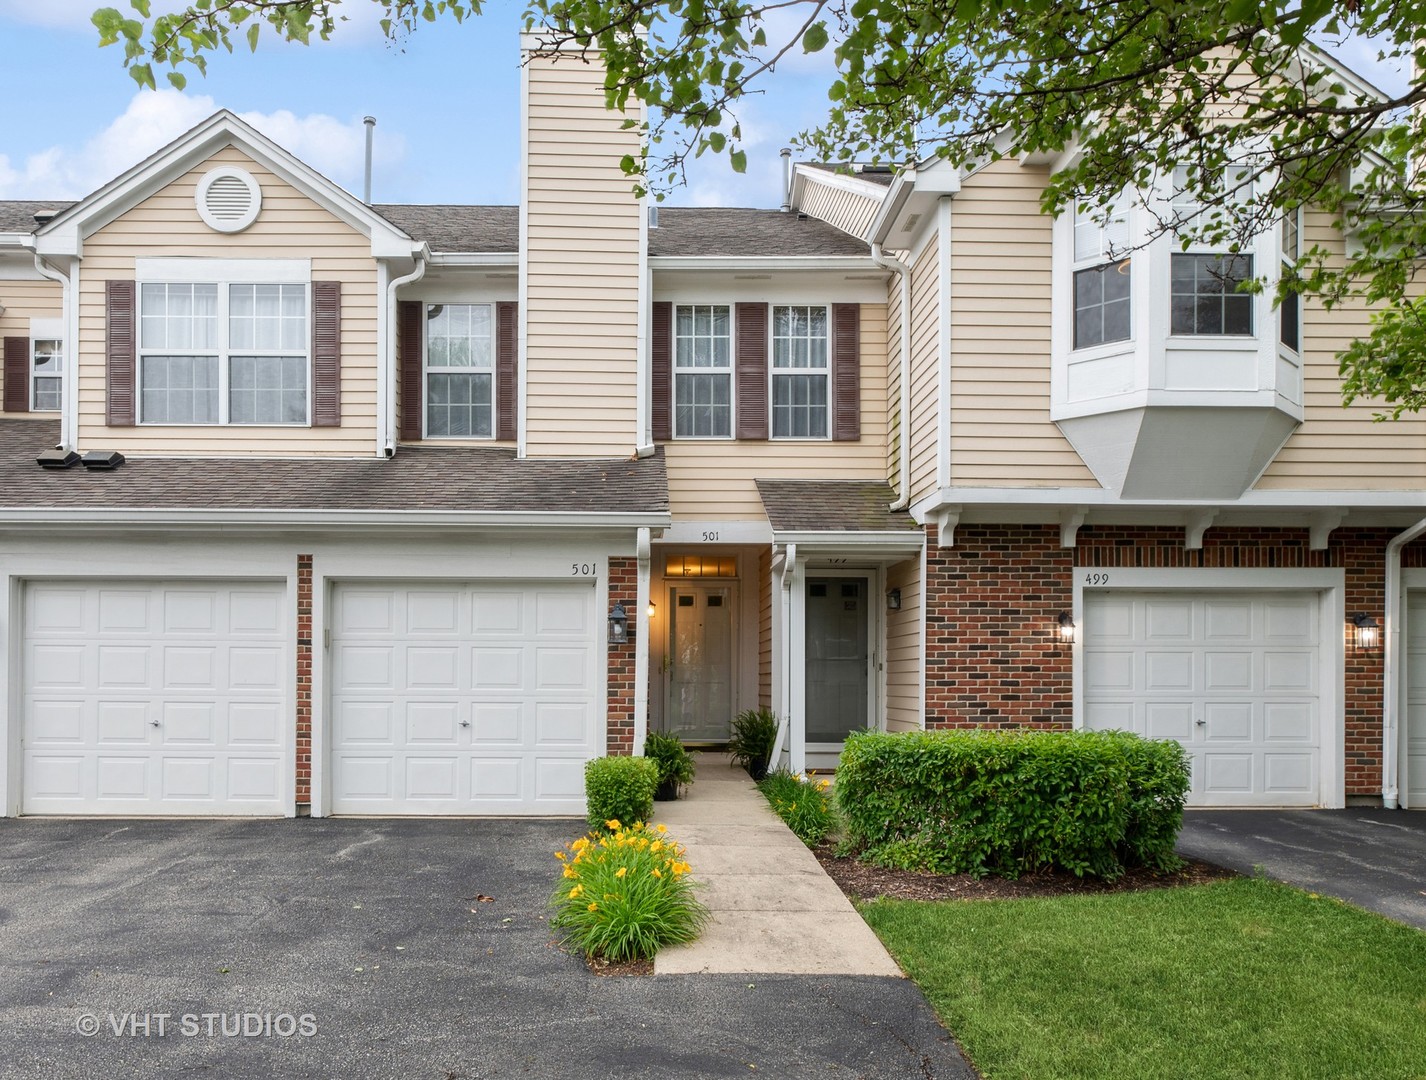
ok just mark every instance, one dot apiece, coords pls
pixel 1013 802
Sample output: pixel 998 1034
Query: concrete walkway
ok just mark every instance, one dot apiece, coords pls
pixel 774 909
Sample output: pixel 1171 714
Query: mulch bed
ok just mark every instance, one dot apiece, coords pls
pixel 618 969
pixel 861 881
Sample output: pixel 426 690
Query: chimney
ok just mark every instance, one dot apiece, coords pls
pixel 786 179
pixel 370 122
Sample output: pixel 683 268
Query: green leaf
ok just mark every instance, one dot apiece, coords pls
pixel 815 39
pixel 253 32
pixel 739 160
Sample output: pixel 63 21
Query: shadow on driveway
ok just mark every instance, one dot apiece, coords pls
pixel 1373 858
pixel 375 929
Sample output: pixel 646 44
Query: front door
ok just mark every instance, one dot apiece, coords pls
pixel 699 663
pixel 837 657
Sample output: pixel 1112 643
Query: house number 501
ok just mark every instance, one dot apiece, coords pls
pixel 583 569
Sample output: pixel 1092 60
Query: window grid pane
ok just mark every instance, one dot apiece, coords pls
pixel 703 406
pixel 459 405
pixel 703 337
pixel 1204 296
pixel 799 406
pixel 179 317
pixel 1101 305
pixel 46 365
pixel 703 371
pixel 459 336
pixel 179 389
pixel 267 318
pixel 267 390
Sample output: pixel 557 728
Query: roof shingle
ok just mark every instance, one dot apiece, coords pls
pixel 832 506
pixel 478 479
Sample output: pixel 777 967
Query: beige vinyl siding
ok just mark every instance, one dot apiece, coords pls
pixel 581 306
pixel 765 628
pixel 1001 431
pixel 713 479
pixel 903 648
pixel 925 365
pixel 290 226
pixel 1342 448
pixel 850 211
pixel 26 300
pixel 893 384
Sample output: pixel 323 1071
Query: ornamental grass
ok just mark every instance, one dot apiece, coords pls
pixel 802 802
pixel 626 894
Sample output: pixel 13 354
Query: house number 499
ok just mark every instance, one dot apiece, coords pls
pixel 1096 579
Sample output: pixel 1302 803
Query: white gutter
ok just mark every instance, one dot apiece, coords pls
pixel 904 274
pixel 763 264
pixel 943 375
pixel 641 644
pixel 1391 690
pixel 321 519
pixel 69 415
pixel 643 430
pixel 495 260
pixel 386 428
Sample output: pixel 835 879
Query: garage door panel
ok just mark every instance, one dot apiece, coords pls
pixel 365 612
pixel 159 720
pixel 489 679
pixel 559 780
pixel 1233 677
pixel 365 667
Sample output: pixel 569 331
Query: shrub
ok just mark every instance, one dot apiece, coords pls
pixel 801 802
pixel 752 739
pixel 626 894
pixel 619 788
pixel 674 761
pixel 1010 802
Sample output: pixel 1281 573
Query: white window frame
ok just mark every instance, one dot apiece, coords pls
pixel 47 330
pixel 1287 262
pixel 729 372
pixel 427 370
pixel 1187 209
pixel 224 350
pixel 1105 257
pixel 773 371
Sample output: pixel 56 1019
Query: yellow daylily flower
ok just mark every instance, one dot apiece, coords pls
pixel 559 855
pixel 613 825
pixel 655 872
pixel 621 871
pixel 574 892
pixel 662 828
pixel 593 907
pixel 570 871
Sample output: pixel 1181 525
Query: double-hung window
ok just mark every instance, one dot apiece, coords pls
pixel 1290 309
pixel 460 361
pixel 800 372
pixel 223 353
pixel 1101 275
pixel 1204 293
pixel 702 372
pixel 47 374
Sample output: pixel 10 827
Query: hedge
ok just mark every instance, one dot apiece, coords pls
pixel 1012 802
pixel 619 788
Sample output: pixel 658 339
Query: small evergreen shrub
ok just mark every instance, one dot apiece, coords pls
pixel 1012 802
pixel 802 802
pixel 626 894
pixel 754 733
pixel 619 788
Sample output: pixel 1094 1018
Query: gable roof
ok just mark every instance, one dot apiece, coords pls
pixel 64 234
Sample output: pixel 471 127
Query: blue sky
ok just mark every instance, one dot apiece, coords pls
pixel 446 102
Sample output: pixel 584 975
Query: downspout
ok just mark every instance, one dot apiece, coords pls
pixel 68 419
pixel 895 265
pixel 389 377
pixel 641 645
pixel 1391 636
pixel 789 563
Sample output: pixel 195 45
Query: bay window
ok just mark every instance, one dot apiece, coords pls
pixel 1102 276
pixel 1205 296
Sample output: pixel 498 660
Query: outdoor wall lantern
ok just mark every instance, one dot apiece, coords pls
pixel 653 609
pixel 618 625
pixel 1066 627
pixel 893 600
pixel 1366 631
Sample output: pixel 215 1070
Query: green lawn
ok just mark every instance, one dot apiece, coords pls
pixel 1240 978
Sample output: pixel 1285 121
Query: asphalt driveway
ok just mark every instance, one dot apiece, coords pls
pixel 1373 858
pixel 378 935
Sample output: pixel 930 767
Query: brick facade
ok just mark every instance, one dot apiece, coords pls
pixel 304 683
pixel 623 589
pixel 992 658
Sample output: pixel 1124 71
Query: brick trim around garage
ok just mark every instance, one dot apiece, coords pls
pixel 623 589
pixel 304 684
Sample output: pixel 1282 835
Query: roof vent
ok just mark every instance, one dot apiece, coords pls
pixel 102 460
pixel 228 199
pixel 58 458
pixel 44 217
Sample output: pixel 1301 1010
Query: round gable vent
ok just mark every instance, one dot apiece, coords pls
pixel 228 199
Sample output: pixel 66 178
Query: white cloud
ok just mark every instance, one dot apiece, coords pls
pixel 333 147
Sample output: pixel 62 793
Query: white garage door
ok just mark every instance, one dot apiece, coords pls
pixel 462 698
pixel 154 698
pixel 1233 677
pixel 1414 755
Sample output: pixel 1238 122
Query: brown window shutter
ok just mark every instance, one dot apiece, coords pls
pixel 411 315
pixel 846 372
pixel 661 370
pixel 507 361
pixel 120 354
pixel 326 354
pixel 17 374
pixel 750 365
